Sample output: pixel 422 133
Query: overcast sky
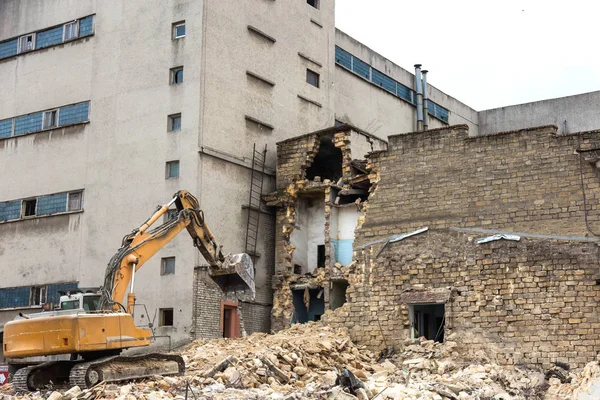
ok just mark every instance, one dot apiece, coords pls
pixel 485 53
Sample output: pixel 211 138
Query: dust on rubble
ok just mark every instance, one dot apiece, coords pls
pixel 311 361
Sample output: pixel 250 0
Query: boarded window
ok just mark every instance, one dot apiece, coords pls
pixel 75 201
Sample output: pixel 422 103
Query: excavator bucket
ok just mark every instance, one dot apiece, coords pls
pixel 236 274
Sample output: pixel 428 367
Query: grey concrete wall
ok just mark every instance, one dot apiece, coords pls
pixel 580 112
pixel 376 111
pixel 119 157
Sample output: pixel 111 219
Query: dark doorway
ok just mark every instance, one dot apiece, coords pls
pixel 337 294
pixel 428 321
pixel 308 306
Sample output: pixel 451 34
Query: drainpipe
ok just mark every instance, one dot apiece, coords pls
pixel 418 85
pixel 425 102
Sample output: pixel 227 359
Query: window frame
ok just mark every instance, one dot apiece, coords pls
pixel 19 47
pixel 173 75
pixel 175 25
pixel 317 75
pixel 171 120
pixel 163 266
pixel 161 313
pixel 76 36
pixel 42 295
pixel 168 169
pixel 317 4
pixel 77 192
pixel 24 204
pixel 56 112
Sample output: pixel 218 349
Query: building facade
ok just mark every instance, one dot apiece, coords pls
pixel 110 107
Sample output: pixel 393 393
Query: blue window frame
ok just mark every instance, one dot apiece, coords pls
pixel 6 128
pixel 179 30
pixel 51 204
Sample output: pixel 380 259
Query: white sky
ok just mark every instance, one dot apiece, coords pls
pixel 485 53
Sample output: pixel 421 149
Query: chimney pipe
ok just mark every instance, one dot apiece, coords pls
pixel 425 102
pixel 418 85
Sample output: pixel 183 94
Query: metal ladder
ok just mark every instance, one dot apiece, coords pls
pixel 256 187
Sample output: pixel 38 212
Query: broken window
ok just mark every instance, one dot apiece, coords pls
pixel 176 75
pixel 337 294
pixel 314 3
pixel 27 43
pixel 38 296
pixel 75 202
pixel 166 317
pixel 50 119
pixel 167 266
pixel 309 305
pixel 71 30
pixel 327 164
pixel 312 77
pixel 179 30
pixel 175 122
pixel 29 208
pixel 172 169
pixel 427 320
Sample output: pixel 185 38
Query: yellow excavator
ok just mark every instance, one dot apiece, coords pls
pixel 95 328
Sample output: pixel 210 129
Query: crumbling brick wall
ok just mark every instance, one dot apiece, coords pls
pixel 501 293
pixel 527 302
pixel 206 312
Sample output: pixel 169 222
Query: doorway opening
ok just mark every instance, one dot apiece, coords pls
pixel 427 320
pixel 309 305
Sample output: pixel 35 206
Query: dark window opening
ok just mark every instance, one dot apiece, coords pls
pixel 349 199
pixel 321 256
pixel 297 269
pixel 29 207
pixel 327 164
pixel 312 77
pixel 337 294
pixel 166 317
pixel 309 305
pixel 428 321
pixel 314 3
pixel 176 75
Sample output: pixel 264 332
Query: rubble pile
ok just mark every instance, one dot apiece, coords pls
pixel 311 361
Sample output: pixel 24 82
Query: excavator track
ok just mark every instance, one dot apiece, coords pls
pixel 123 368
pixel 19 380
pixel 40 376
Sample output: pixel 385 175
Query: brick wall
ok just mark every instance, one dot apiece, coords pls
pixel 528 302
pixel 524 181
pixel 206 314
pixel 522 302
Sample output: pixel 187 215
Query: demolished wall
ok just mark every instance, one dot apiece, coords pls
pixel 298 158
pixel 531 301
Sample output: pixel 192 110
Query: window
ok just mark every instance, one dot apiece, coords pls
pixel 176 75
pixel 38 296
pixel 175 122
pixel 27 43
pixel 312 77
pixel 179 30
pixel 172 169
pixel 74 203
pixel 50 119
pixel 166 317
pixel 321 256
pixel 167 266
pixel 71 31
pixel 314 3
pixel 29 208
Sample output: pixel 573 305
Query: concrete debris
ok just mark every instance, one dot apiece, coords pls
pixel 312 361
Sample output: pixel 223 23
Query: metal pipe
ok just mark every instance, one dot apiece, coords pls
pixel 425 102
pixel 132 276
pixel 418 85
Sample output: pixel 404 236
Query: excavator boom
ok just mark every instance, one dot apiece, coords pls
pixel 99 337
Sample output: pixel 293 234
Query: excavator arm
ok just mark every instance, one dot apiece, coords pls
pixel 231 273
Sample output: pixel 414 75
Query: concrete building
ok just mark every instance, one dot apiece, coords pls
pixel 109 107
